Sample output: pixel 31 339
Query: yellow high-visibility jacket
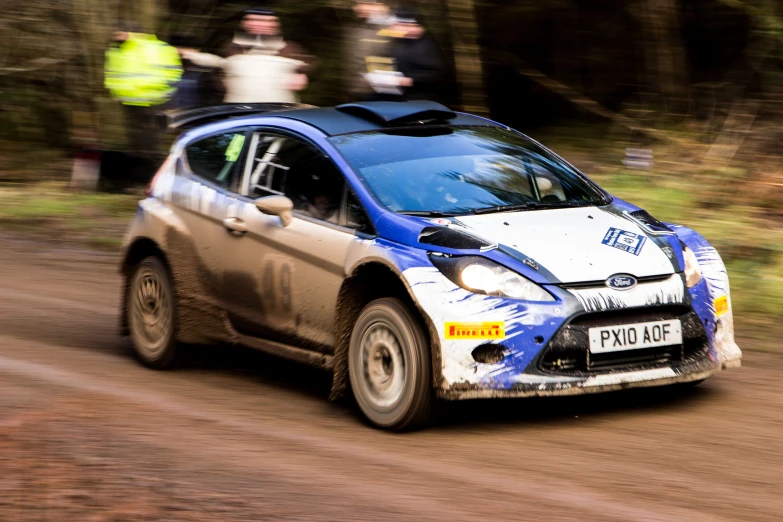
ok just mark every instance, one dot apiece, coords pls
pixel 143 71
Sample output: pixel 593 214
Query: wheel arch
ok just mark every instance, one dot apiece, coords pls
pixel 140 249
pixel 371 280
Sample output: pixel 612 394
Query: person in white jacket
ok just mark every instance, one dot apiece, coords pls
pixel 258 65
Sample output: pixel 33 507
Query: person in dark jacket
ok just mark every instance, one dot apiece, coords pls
pixel 366 47
pixel 418 59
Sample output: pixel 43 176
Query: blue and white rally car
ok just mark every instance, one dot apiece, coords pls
pixel 418 253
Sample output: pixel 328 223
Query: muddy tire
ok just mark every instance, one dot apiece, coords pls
pixel 151 314
pixel 390 366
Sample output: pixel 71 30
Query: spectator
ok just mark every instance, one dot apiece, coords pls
pixel 418 60
pixel 141 72
pixel 190 86
pixel 367 47
pixel 258 65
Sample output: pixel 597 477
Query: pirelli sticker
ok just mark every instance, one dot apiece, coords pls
pixel 721 305
pixel 463 331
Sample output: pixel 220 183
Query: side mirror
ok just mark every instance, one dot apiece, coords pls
pixel 279 206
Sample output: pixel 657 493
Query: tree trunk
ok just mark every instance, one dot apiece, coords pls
pixel 665 61
pixel 467 55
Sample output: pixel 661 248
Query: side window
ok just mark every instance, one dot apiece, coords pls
pixel 313 183
pixel 215 158
pixel 267 173
pixel 287 166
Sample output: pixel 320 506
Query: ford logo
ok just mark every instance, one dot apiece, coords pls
pixel 621 282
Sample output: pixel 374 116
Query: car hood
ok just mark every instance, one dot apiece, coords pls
pixel 575 244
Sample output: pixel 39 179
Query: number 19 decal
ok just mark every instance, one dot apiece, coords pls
pixel 276 280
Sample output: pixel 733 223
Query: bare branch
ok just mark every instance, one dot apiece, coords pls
pixel 32 65
pixel 590 105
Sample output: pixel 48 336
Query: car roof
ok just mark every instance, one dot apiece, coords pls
pixel 333 121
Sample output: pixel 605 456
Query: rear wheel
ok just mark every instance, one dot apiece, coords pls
pixel 151 316
pixel 390 367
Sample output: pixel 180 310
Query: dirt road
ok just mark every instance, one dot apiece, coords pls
pixel 88 435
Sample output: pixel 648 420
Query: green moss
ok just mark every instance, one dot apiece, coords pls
pixel 52 211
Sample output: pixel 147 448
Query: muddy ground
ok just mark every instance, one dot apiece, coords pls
pixel 88 435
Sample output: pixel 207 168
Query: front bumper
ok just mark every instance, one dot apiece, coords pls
pixel 547 386
pixel 536 331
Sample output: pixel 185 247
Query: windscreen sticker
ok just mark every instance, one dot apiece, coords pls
pixel 461 331
pixel 235 147
pixel 625 241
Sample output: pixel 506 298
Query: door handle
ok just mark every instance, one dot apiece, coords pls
pixel 235 225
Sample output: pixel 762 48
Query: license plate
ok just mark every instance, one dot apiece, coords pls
pixel 635 336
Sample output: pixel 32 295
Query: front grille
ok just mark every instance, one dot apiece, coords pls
pixel 568 351
pixel 658 355
pixel 602 284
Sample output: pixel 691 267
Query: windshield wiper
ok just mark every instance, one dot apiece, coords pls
pixel 427 213
pixel 531 205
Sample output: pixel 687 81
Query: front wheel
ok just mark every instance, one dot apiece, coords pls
pixel 151 314
pixel 390 367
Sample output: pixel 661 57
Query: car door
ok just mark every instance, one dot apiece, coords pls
pixel 205 197
pixel 282 282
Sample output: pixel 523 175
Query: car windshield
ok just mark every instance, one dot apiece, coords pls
pixel 462 170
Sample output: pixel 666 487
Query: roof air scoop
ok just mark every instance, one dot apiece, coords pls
pixel 392 113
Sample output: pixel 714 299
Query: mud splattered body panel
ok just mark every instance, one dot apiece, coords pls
pixel 546 345
pixel 534 330
pixel 608 272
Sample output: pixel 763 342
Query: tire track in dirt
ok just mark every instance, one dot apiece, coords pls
pixel 710 454
pixel 573 496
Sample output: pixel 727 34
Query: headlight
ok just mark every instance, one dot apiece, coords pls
pixel 482 276
pixel 692 270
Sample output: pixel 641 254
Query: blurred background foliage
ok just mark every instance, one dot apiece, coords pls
pixel 697 82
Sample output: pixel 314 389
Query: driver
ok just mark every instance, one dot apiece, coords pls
pixel 323 207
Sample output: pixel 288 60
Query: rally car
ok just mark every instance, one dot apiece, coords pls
pixel 417 253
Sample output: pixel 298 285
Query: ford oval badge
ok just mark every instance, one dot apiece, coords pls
pixel 621 282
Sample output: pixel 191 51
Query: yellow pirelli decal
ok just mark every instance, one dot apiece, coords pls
pixel 460 331
pixel 721 305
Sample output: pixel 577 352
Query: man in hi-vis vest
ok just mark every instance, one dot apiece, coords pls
pixel 141 72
